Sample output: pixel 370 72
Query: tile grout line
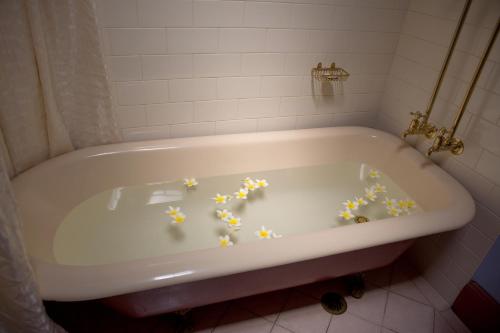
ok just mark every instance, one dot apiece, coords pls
pixel 329 323
pixel 387 296
pixel 285 303
pixel 220 317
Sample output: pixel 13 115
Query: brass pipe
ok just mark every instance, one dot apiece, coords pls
pixel 420 122
pixel 458 29
pixel 475 78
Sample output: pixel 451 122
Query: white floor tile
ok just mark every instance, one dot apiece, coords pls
pixel 454 321
pixel 407 316
pixel 403 285
pixel 370 307
pixel 304 314
pixel 347 323
pixel 440 324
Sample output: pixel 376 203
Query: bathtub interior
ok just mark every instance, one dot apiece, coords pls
pixel 49 192
pixel 131 222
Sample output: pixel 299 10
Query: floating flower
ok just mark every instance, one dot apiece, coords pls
pixel 403 205
pixel 241 194
pixel 173 211
pixel 251 185
pixel 393 211
pixel 389 202
pixel 350 205
pixel 221 199
pixel 379 188
pixel 190 182
pixel 247 180
pixel 360 201
pixel 264 233
pixel 233 222
pixel 178 218
pixel 261 183
pixel 275 235
pixel 225 241
pixel 410 204
pixel 223 214
pixel 370 194
pixel 374 173
pixel 346 214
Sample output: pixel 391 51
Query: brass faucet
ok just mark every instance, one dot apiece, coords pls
pixel 420 125
pixel 445 140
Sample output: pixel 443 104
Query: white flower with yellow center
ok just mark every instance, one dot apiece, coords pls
pixel 350 205
pixel 360 201
pixel 223 214
pixel 346 214
pixel 261 183
pixel 221 199
pixel 233 222
pixel 178 218
pixel 393 211
pixel 173 211
pixel 403 205
pixel 370 194
pixel 389 202
pixel 247 180
pixel 264 233
pixel 374 174
pixel 410 204
pixel 379 188
pixel 225 241
pixel 190 182
pixel 241 194
pixel 251 185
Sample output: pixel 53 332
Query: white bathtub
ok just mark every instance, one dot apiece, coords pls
pixel 145 286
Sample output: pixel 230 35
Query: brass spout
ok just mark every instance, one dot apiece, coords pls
pixel 444 141
pixel 420 126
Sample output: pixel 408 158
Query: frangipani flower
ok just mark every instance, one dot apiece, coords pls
pixel 225 241
pixel 379 188
pixel 389 202
pixel 350 205
pixel 173 211
pixel 178 218
pixel 406 205
pixel 264 233
pixel 221 199
pixel 190 182
pixel 360 201
pixel 261 183
pixel 393 211
pixel 241 194
pixel 346 214
pixel 223 214
pixel 374 173
pixel 251 185
pixel 233 222
pixel 370 194
pixel 247 180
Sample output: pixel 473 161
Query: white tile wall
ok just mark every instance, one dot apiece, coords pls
pixel 448 261
pixel 236 60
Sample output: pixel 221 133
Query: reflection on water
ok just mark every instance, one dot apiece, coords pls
pixel 131 222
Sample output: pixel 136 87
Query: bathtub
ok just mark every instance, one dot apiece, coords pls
pixel 147 286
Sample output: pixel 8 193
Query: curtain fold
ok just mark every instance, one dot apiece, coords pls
pixel 54 98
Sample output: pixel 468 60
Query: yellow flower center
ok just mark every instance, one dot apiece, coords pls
pixel 264 233
pixel 233 221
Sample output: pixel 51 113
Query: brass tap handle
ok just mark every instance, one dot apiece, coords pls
pixel 439 141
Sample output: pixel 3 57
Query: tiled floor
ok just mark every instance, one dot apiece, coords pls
pixel 396 300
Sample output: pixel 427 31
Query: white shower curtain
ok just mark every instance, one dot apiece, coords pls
pixel 54 97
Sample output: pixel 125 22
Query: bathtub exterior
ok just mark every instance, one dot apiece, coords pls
pixel 49 191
